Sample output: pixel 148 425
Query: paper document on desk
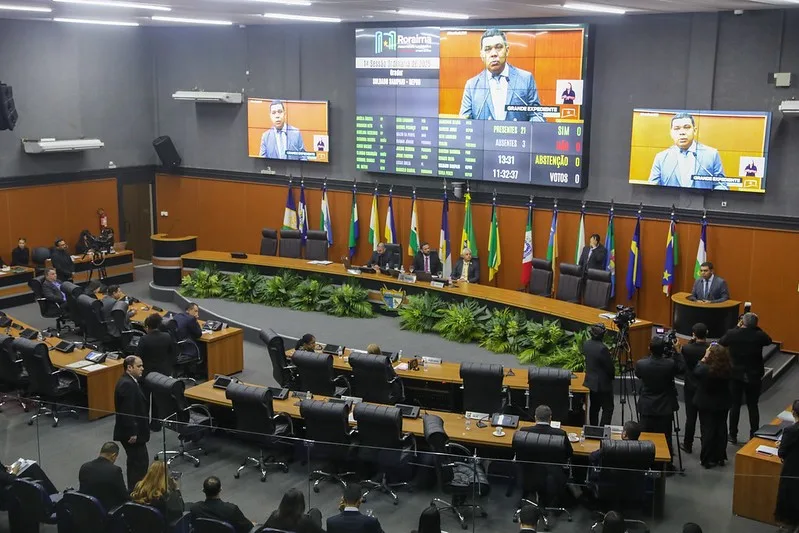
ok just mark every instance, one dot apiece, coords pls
pixel 554 423
pixel 79 364
pixel 401 366
pixel 767 450
pixel 786 416
pixel 324 263
pixel 93 368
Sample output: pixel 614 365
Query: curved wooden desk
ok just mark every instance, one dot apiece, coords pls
pixel 14 288
pixel 718 317
pixel 166 257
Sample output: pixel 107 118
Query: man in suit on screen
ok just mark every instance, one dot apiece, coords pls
pixel 709 288
pixel 500 84
pixel 679 165
pixel 281 137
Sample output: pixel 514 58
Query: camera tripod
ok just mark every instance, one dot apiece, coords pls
pixel 623 357
pixel 97 263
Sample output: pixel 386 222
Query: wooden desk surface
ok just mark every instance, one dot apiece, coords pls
pixel 682 299
pixel 454 424
pixel 15 271
pixel 14 289
pixel 143 310
pixel 166 238
pixel 80 258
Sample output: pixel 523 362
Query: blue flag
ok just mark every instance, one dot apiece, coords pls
pixel 444 245
pixel 672 253
pixel 302 214
pixel 634 272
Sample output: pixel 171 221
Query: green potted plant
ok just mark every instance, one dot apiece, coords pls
pixel 421 312
pixel 463 322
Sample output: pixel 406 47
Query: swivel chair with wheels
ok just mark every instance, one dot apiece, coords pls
pixel 12 374
pixel 79 513
pixel 48 308
pixel 209 525
pixel 549 386
pixel 316 245
pixel 268 242
pixel 570 283
pixel 39 257
pixel 597 288
pixel 483 391
pixel 189 360
pixel 283 372
pixel 29 506
pixel 47 386
pixel 374 379
pixel 316 374
pixel 128 335
pixel 137 518
pixel 290 243
pixel 331 440
pixel 95 329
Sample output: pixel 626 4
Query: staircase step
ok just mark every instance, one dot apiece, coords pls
pixel 780 363
pixel 771 350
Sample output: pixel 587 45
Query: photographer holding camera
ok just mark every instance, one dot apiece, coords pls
pixel 692 353
pixel 657 401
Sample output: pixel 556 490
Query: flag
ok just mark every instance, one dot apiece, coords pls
pixel 290 213
pixel 527 249
pixel 634 268
pixel 413 240
pixel 580 237
pixel 374 223
pixel 302 215
pixel 494 250
pixel 672 257
pixel 468 239
pixel 701 251
pixel 390 230
pixel 552 247
pixel 444 246
pixel 610 258
pixel 324 219
pixel 354 229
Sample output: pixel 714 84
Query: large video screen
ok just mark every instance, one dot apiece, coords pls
pixel 711 150
pixel 295 130
pixel 504 104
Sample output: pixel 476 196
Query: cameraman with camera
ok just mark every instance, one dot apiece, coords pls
pixel 692 353
pixel 657 401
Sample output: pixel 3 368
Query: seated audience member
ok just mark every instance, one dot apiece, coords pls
pixel 306 343
pixel 690 527
pixel 290 515
pixel 429 521
pixel 102 478
pixel 213 507
pixel 21 255
pixel 466 269
pixel 62 261
pixel 630 431
pixel 156 348
pixel 115 292
pixel 529 515
pixel 380 258
pixel 158 489
pixel 426 260
pixel 51 288
pixel 350 520
pixel 543 421
pixel 6 477
pixel 373 349
pixel 82 247
pixel 188 326
pixel 92 287
pixel 613 523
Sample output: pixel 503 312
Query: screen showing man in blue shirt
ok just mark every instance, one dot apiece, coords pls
pixel 281 137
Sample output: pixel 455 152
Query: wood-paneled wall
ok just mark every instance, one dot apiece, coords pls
pixel 42 213
pixel 760 265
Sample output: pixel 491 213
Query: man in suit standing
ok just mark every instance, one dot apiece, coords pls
pixel 709 288
pixel 51 287
pixel 693 352
pixel 380 258
pixel 281 137
pixel 466 269
pixel 746 343
pixel 61 260
pixel 593 255
pixel 486 95
pixel 427 260
pixel 188 325
pixel 214 508
pixel 599 374
pixel 156 347
pixel 102 478
pixel 350 520
pixel 131 427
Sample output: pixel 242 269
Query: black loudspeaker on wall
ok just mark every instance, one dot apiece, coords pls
pixel 8 113
pixel 165 149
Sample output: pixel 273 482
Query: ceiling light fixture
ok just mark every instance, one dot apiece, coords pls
pixel 111 3
pixel 303 3
pixel 181 20
pixel 432 14
pixel 595 8
pixel 9 7
pixel 96 21
pixel 300 18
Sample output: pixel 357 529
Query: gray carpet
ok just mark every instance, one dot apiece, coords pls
pixel 702 496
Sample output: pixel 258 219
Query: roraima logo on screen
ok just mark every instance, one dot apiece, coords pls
pixel 392 41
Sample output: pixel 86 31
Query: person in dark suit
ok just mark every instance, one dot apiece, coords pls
pixel 599 374
pixel 281 137
pixel 350 520
pixel 787 509
pixel 712 399
pixel 630 431
pixel 131 427
pixel 61 260
pixel 83 246
pixel 290 515
pixel 21 255
pixel 593 256
pixel 51 287
pixel 427 260
pixel 709 288
pixel 657 400
pixel 102 478
pixel 214 508
pixel 6 477
pixel 692 353
pixel 188 326
pixel 529 515
pixel 380 258
pixel 466 269
pixel 746 343
pixel 543 424
pixel 156 347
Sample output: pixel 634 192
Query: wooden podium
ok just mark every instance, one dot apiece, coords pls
pixel 167 264
pixel 718 317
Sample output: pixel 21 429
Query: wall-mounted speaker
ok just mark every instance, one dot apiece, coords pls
pixel 8 112
pixel 166 151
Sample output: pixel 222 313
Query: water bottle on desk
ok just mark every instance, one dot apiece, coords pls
pixel 468 423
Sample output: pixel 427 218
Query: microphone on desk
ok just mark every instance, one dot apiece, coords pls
pixel 510 372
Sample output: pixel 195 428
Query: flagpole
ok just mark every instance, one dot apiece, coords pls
pixel 638 289
pixel 493 214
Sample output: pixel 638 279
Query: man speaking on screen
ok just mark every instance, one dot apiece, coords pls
pixel 681 164
pixel 499 85
pixel 281 137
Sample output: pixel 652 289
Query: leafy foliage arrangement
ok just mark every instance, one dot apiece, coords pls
pixel 311 295
pixel 463 322
pixel 205 282
pixel 349 300
pixel 505 332
pixel 241 287
pixel 278 290
pixel 421 312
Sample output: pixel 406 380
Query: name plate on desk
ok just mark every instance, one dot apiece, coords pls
pixel 438 284
pixel 431 360
pixel 407 278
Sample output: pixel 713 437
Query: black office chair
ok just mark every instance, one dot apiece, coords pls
pixel 137 518
pixel 327 426
pixel 549 386
pixel 209 525
pixel 316 374
pixel 394 253
pixel 283 372
pixel 191 422
pixel 268 242
pixel 544 464
pixel 94 330
pixel 256 422
pixel 12 374
pixel 128 336
pixel 597 288
pixel 79 513
pixel 47 386
pixel 290 243
pixel 374 379
pixel 47 308
pixel 29 506
pixel 457 472
pixel 39 257
pixel 541 278
pixel 570 283
pixel 483 391
pixel 383 444
pixel 189 362
pixel 72 291
pixel 316 245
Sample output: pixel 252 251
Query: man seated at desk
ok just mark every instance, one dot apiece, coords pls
pixel 380 259
pixel 51 288
pixel 107 296
pixel 61 260
pixel 543 424
pixel 21 255
pixel 466 269
pixel 188 325
pixel 426 260
pixel 630 431
pixel 709 288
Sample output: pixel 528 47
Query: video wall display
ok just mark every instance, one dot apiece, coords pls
pixel 294 130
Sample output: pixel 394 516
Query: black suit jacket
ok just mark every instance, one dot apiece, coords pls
pixel 599 368
pixel 658 396
pixel 103 479
pixel 52 292
pixel 474 270
pixel 692 353
pixel 718 290
pixel 21 257
pixel 217 509
pixel 132 413
pixel 157 352
pixel 188 326
pixel 746 352
pixel 379 259
pixel 353 522
pixel 712 392
pixel 62 263
pixel 597 260
pixel 549 430
pixel 435 263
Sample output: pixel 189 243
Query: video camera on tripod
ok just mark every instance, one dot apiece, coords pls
pixel 625 316
pixel 102 243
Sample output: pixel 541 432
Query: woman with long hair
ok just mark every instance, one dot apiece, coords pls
pixel 158 489
pixel 307 343
pixel 290 515
pixel 712 400
pixel 429 521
